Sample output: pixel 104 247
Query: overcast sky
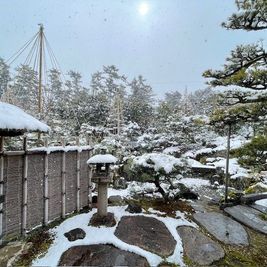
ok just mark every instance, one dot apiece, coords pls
pixel 169 42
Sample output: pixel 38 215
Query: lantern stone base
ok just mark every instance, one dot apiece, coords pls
pixel 108 220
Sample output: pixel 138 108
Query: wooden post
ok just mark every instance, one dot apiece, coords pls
pixel 46 198
pixel 63 182
pixel 24 188
pixel 88 138
pixel 78 175
pixel 227 163
pixel 1 187
pixel 90 172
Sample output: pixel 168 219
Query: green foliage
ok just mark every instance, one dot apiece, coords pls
pixel 253 154
pixel 263 216
pixel 39 242
pixel 245 73
pixel 239 113
pixel 256 188
pixel 252 15
pixel 139 107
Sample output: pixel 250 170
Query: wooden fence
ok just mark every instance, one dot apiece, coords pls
pixel 40 185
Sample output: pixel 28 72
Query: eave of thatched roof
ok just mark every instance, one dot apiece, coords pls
pixel 14 121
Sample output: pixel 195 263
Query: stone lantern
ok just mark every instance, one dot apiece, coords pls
pixel 102 176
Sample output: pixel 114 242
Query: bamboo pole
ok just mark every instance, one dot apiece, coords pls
pixel 90 173
pixel 227 164
pixel 78 175
pixel 1 187
pixel 46 198
pixel 63 182
pixel 40 69
pixel 24 188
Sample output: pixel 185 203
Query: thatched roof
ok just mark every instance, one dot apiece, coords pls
pixel 14 121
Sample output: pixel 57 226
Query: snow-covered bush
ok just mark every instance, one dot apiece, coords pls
pixel 161 169
pixel 254 153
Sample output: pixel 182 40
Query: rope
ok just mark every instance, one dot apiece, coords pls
pixel 20 51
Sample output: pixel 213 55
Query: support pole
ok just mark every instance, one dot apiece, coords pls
pixel 1 187
pixel 227 164
pixel 46 198
pixel 63 182
pixel 24 188
pixel 78 175
pixel 40 69
pixel 90 174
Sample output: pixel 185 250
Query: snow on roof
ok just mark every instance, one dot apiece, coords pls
pixel 102 158
pixel 13 118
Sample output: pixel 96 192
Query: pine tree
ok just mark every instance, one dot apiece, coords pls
pixel 140 102
pixel 4 76
pixel 245 73
pixel 25 88
pixel 111 86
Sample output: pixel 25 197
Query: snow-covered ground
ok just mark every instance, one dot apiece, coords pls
pixel 194 182
pixel 235 170
pixel 105 235
pixel 262 202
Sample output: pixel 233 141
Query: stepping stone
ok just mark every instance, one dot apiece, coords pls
pixel 248 216
pixel 134 208
pixel 250 198
pixel 75 234
pixel 100 255
pixel 223 228
pixel 259 207
pixel 199 248
pixel 115 200
pixel 147 233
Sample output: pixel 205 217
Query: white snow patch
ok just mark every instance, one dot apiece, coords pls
pixel 235 170
pixel 262 202
pixel 194 182
pixel 50 149
pixel 124 193
pixel 171 150
pixel 158 161
pixel 102 158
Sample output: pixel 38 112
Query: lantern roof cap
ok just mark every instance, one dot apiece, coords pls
pixel 102 158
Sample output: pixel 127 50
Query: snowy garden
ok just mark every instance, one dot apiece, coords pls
pixel 107 174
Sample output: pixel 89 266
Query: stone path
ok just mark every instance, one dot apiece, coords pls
pixel 100 255
pixel 199 248
pixel 259 208
pixel 223 228
pixel 248 216
pixel 147 233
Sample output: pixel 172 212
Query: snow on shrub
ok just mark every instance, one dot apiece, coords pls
pixel 159 162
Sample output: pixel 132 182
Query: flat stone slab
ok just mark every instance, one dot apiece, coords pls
pixel 100 255
pixel 249 217
pixel 199 248
pixel 250 198
pixel 147 233
pixel 223 228
pixel 259 207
